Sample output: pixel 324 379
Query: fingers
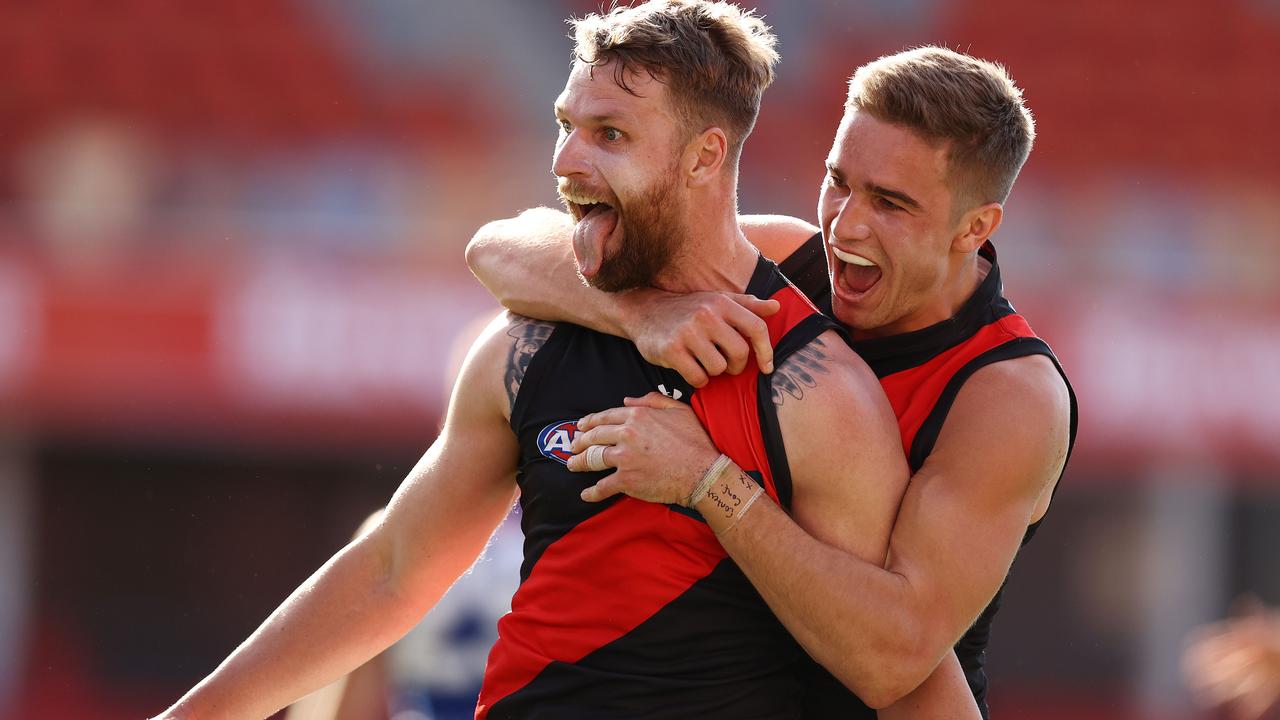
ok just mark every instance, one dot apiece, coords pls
pixel 689 368
pixel 581 463
pixel 612 416
pixel 655 400
pixel 611 427
pixel 763 308
pixel 733 347
pixel 710 333
pixel 737 331
pixel 708 355
pixel 755 331
pixel 597 435
pixel 603 490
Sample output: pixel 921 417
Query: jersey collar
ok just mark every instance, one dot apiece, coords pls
pixel 894 353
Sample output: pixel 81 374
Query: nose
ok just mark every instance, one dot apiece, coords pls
pixel 570 157
pixel 850 222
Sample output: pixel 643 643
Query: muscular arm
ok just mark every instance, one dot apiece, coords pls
pixel 373 590
pixel 527 263
pixel 848 475
pixel 882 631
pixel 847 472
pixel 776 236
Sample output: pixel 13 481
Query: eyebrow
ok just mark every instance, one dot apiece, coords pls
pixel 901 197
pixel 599 119
pixel 898 195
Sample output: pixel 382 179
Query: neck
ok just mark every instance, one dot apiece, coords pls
pixel 965 278
pixel 714 254
pixel 960 284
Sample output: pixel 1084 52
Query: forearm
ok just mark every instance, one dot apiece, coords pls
pixel 945 695
pixel 527 263
pixel 855 618
pixel 343 615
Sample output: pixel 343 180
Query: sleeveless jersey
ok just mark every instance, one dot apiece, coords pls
pixel 629 609
pixel 922 372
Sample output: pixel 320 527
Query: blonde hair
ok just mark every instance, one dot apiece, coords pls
pixel 947 96
pixel 715 58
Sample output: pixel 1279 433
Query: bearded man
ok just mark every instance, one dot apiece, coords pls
pixel 627 608
pixel 923 160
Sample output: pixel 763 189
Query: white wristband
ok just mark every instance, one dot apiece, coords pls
pixel 708 478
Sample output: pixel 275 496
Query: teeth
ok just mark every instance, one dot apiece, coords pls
pixel 851 258
pixel 582 199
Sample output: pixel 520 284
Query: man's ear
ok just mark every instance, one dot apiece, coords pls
pixel 976 226
pixel 705 156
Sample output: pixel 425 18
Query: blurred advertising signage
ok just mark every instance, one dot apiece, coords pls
pixel 20 324
pixel 263 353
pixel 327 339
pixel 1190 379
pixel 294 351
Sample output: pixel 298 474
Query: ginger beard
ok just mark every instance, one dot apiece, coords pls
pixel 621 244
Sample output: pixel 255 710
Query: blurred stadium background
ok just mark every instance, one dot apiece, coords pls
pixel 231 273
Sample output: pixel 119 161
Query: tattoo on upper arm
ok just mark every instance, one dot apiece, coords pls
pixel 529 335
pixel 799 371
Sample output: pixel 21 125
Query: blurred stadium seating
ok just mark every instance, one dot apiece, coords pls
pixel 231 277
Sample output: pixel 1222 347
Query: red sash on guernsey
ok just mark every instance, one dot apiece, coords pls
pixel 626 561
pixel 728 406
pixel 914 393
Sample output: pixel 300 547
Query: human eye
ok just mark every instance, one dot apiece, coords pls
pixel 834 180
pixel 563 125
pixel 612 134
pixel 887 204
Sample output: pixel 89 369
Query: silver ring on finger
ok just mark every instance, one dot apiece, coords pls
pixel 595 458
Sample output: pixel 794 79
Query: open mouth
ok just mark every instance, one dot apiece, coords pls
pixel 596 230
pixel 855 275
pixel 581 206
pixel 582 211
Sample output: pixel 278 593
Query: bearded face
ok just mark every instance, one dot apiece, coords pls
pixel 623 243
pixel 618 155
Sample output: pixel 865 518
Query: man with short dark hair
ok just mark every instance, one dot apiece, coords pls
pixel 923 161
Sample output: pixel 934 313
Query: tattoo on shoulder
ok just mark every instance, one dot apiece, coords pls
pixel 529 335
pixel 799 372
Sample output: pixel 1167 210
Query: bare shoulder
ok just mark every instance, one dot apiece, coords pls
pixel 1027 389
pixel 499 358
pixel 801 372
pixel 527 338
pixel 828 398
pixel 1016 414
pixel 848 471
pixel 776 236
pixel 826 368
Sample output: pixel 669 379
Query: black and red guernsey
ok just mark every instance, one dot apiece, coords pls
pixel 922 372
pixel 629 609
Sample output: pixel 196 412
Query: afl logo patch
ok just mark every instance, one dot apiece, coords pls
pixel 555 440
